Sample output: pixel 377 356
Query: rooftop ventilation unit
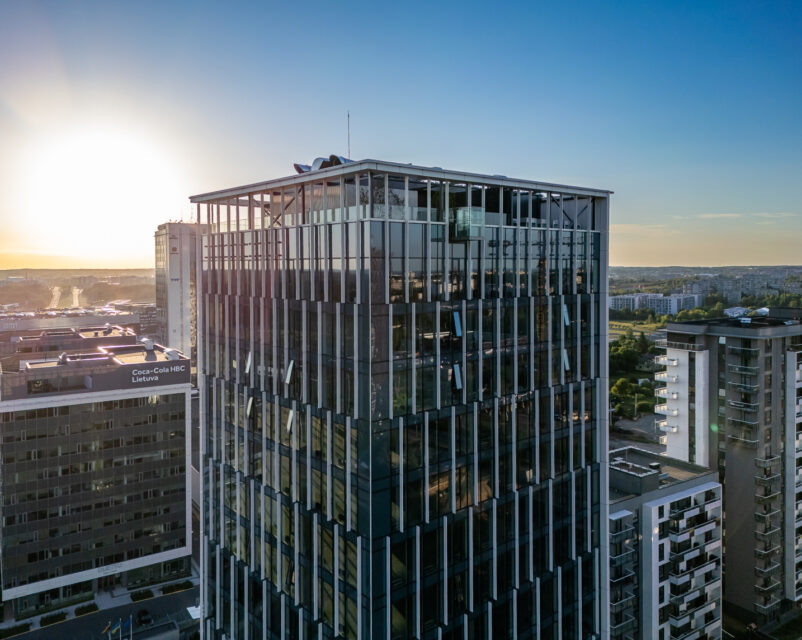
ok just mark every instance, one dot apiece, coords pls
pixel 736 312
pixel 147 343
pixel 321 163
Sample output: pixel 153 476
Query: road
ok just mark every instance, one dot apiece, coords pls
pixel 56 292
pixel 89 627
pixel 76 301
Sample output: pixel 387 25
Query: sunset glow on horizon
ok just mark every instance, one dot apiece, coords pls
pixel 111 116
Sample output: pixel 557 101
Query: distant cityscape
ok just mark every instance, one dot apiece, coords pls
pixel 697 392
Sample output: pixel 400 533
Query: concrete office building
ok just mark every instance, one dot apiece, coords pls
pixel 732 401
pixel 403 379
pixel 149 318
pixel 176 246
pixel 95 489
pixel 665 548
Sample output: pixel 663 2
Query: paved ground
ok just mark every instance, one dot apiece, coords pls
pixel 89 627
pixel 640 433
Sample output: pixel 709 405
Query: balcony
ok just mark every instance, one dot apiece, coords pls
pixel 682 599
pixel 739 423
pixel 765 518
pixel 683 346
pixel 743 387
pixel 767 462
pixel 765 589
pixel 664 376
pixel 663 440
pixel 744 438
pixel 769 607
pixel 703 610
pixel 666 361
pixel 695 508
pixel 768 552
pixel 746 352
pixel 744 406
pixel 768 570
pixel 681 577
pixel 621 575
pixel 743 370
pixel 667 428
pixel 663 392
pixel 664 410
pixel 618 627
pixel 768 534
pixel 623 534
pixel 679 619
pixel 766 498
pixel 622 558
pixel 704 528
pixel 626 602
pixel 765 480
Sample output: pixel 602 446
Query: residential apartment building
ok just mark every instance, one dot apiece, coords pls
pixel 732 401
pixel 404 398
pixel 665 548
pixel 94 452
pixel 660 304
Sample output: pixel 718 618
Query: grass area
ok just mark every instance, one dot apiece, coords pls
pixel 144 594
pixel 53 618
pixel 645 405
pixel 179 586
pixel 619 327
pixel 87 608
pixel 14 631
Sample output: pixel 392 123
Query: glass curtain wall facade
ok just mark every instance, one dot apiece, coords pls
pixel 403 378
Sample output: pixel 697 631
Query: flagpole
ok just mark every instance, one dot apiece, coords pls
pixel 131 626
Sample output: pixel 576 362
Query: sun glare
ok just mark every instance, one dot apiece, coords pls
pixel 99 192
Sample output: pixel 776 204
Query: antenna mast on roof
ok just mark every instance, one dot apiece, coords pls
pixel 349 132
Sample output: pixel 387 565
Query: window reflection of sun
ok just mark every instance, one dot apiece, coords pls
pixel 85 188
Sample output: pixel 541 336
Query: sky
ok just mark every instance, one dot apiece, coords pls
pixel 113 113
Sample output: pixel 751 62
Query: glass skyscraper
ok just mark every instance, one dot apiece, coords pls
pixel 404 406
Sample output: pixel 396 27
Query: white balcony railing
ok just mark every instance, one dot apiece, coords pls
pixel 665 376
pixel 663 409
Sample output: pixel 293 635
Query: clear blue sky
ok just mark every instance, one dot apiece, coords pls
pixel 690 111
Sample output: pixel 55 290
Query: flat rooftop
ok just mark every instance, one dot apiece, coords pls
pixel 113 355
pixel 78 361
pixel 658 470
pixel 346 167
pixel 63 313
pixel 103 332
